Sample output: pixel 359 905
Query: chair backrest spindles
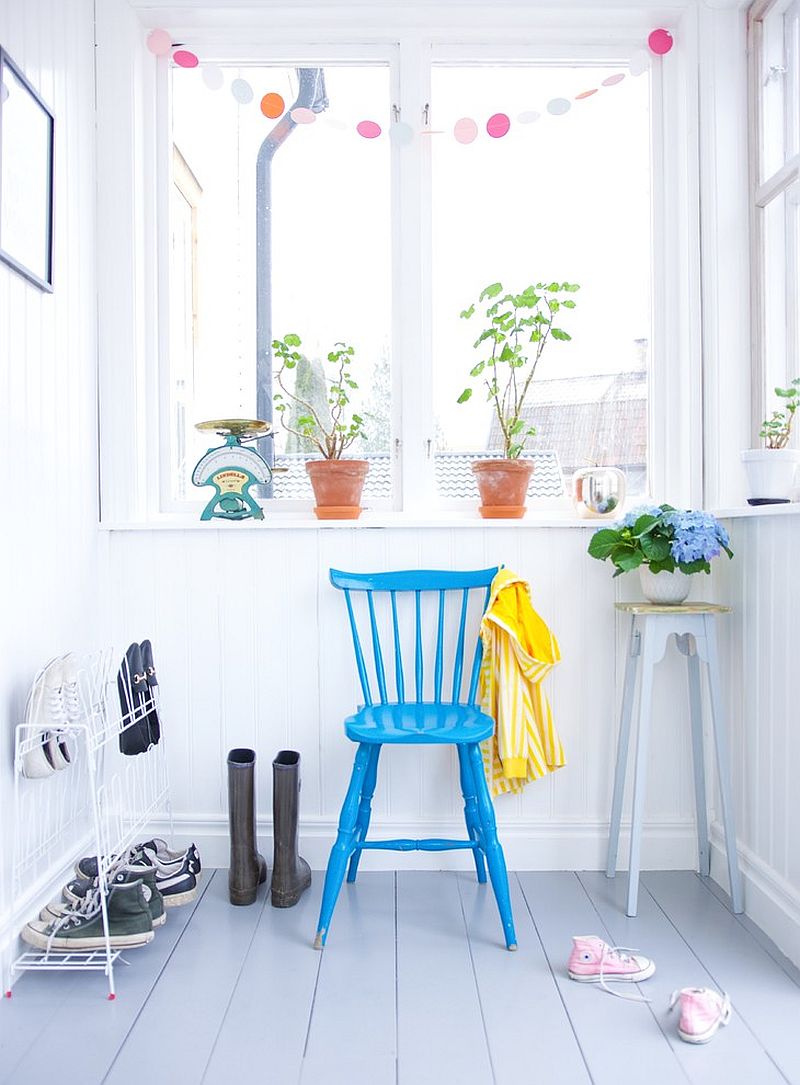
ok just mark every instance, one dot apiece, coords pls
pixel 362 670
pixel 398 655
pixel 458 664
pixel 437 667
pixel 418 582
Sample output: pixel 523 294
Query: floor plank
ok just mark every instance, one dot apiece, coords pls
pixel 618 1038
pixel 765 996
pixel 517 990
pixel 736 1054
pixel 440 1034
pixel 180 1020
pixel 262 1034
pixel 85 1021
pixel 357 983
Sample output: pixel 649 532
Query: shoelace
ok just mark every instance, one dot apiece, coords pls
pixel 72 701
pixel 621 953
pixel 55 706
pixel 87 906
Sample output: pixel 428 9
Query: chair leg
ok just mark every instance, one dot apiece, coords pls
pixel 495 859
pixel 471 810
pixel 343 848
pixel 364 809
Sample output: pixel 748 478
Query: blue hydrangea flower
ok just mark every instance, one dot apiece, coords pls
pixel 698 536
pixel 640 510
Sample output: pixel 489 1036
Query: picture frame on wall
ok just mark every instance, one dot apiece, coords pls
pixel 27 129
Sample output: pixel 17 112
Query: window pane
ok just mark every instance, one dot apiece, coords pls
pixel 328 280
pixel 560 197
pixel 780 100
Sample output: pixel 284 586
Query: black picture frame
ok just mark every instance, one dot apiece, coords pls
pixel 27 134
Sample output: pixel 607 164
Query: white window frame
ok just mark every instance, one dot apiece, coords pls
pixel 764 189
pixel 134 163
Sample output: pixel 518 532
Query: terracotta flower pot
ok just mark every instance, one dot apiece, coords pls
pixel 503 486
pixel 337 487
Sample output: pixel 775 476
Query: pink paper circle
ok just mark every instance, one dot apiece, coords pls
pixel 465 130
pixel 498 125
pixel 660 42
pixel 612 80
pixel 368 129
pixel 301 115
pixel 184 59
pixel 159 42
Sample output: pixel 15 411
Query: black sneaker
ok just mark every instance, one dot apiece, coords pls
pixel 129 923
pixel 76 891
pixel 156 850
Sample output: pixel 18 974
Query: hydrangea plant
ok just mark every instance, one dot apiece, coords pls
pixel 664 538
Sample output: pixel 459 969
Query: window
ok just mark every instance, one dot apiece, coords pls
pixel 775 152
pixel 322 244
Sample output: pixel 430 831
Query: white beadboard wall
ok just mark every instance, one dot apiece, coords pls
pixel 760 661
pixel 48 365
pixel 253 649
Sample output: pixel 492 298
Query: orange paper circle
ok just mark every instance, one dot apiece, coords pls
pixel 272 105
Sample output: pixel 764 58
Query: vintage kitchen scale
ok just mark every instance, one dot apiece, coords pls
pixel 233 468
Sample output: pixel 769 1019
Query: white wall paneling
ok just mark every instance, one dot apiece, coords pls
pixel 254 649
pixel 48 382
pixel 761 649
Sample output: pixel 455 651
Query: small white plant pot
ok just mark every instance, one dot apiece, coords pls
pixel 665 589
pixel 770 473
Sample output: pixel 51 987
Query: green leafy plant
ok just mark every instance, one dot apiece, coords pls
pixel 517 329
pixel 664 538
pixel 331 433
pixel 777 430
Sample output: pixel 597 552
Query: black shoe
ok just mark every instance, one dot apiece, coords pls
pixel 248 869
pixel 134 701
pixel 76 891
pixel 153 719
pixel 291 875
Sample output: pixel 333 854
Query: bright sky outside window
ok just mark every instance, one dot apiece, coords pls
pixel 331 256
pixel 564 198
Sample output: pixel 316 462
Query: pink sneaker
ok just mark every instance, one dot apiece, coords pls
pixel 702 1012
pixel 593 961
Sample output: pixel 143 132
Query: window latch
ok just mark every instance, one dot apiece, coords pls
pixel 396 113
pixel 774 72
pixel 426 114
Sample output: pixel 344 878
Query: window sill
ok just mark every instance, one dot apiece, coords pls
pixel 368 521
pixel 748 511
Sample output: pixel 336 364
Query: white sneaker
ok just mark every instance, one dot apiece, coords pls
pixel 38 762
pixel 55 714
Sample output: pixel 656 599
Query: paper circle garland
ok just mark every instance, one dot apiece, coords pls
pixel 368 129
pixel 498 125
pixel 272 105
pixel 301 115
pixel 557 107
pixel 401 133
pixel 612 80
pixel 530 116
pixel 660 42
pixel 185 59
pixel 242 91
pixel 212 76
pixel 465 130
pixel 159 42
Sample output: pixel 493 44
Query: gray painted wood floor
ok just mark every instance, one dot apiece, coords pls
pixel 414 987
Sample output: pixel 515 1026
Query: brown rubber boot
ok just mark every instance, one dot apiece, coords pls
pixel 248 869
pixel 291 875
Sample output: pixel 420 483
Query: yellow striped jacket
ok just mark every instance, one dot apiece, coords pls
pixel 518 651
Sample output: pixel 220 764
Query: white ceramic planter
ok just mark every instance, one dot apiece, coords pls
pixel 770 472
pixel 666 589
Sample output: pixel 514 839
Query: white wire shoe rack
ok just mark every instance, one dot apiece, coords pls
pixel 100 804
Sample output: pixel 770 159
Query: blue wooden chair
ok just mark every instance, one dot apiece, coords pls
pixel 408 720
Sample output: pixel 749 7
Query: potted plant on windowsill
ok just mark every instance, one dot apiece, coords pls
pixel 517 328
pixel 771 470
pixel 666 545
pixel 332 429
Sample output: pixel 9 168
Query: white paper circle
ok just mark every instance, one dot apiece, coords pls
pixel 559 106
pixel 639 62
pixel 530 116
pixel 212 76
pixel 242 91
pixel 401 133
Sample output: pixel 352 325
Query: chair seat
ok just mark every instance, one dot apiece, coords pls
pixel 419 723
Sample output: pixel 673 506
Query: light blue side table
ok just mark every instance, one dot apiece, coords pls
pixel 694 627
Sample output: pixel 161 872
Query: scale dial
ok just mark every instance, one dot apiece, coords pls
pixel 226 458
